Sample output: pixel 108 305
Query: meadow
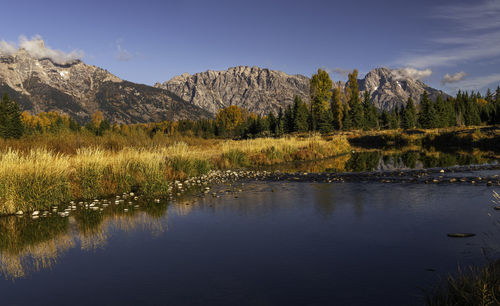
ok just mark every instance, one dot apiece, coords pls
pixel 39 172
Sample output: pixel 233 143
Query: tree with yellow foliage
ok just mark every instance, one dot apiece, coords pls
pixel 229 118
pixel 321 95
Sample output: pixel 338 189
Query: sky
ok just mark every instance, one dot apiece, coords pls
pixel 449 44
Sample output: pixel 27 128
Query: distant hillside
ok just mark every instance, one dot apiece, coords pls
pixel 263 90
pixel 388 88
pixel 79 90
pixel 258 90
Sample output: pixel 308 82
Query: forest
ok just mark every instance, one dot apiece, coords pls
pixel 328 111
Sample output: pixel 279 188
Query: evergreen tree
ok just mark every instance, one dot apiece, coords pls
pixel 272 122
pixel 427 117
pixel 471 110
pixel 280 123
pixel 346 121
pixel 73 125
pixel 11 125
pixel 370 112
pixel 103 127
pixel 409 119
pixel 357 116
pixel 288 120
pixel 393 119
pixel 325 122
pixel 300 115
pixel 356 110
pixel 385 120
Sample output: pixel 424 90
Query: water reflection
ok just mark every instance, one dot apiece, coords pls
pixel 386 160
pixel 290 242
pixel 28 245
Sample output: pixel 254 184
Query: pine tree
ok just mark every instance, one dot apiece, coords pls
pixel 280 123
pixel 393 119
pixel 289 120
pixel 427 117
pixel 300 115
pixel 471 111
pixel 409 119
pixel 272 123
pixel 356 110
pixel 11 125
pixel 370 112
pixel 385 120
pixel 325 122
pixel 347 121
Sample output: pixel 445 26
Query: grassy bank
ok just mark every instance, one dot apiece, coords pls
pixel 485 138
pixel 474 286
pixel 38 173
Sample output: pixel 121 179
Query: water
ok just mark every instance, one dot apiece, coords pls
pixel 360 160
pixel 271 244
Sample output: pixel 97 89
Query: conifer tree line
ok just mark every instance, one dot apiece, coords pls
pixel 11 125
pixel 330 108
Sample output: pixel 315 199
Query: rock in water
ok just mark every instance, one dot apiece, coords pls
pixel 461 235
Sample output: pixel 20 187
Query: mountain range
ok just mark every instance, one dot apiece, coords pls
pixel 79 90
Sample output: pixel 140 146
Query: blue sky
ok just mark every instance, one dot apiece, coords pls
pixel 451 44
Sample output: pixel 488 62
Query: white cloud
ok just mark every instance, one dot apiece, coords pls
pixel 342 72
pixel 475 36
pixel 122 54
pixel 412 73
pixel 492 80
pixel 37 49
pixel 477 16
pixel 453 78
pixel 7 48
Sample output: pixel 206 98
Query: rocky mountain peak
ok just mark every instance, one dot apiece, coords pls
pixel 391 87
pixel 263 90
pixel 41 83
pixel 259 90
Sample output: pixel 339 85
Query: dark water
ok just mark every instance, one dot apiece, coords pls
pixel 274 244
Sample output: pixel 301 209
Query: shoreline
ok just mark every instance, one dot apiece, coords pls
pixel 203 185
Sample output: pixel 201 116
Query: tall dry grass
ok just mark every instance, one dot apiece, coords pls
pixel 36 177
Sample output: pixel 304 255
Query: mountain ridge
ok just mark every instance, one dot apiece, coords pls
pixel 77 89
pixel 246 86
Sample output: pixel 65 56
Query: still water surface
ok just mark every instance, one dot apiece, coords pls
pixel 274 244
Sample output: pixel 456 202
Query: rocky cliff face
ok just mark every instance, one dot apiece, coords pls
pixel 79 90
pixel 388 88
pixel 258 90
pixel 263 90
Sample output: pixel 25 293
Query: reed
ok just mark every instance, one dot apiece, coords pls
pixel 475 286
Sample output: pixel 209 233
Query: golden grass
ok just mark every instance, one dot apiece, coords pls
pixel 36 178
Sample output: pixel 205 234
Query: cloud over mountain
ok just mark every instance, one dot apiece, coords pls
pixel 412 73
pixel 453 78
pixel 36 48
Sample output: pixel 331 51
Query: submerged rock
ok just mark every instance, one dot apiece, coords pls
pixel 461 235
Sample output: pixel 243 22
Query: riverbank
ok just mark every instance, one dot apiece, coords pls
pixel 481 137
pixel 37 178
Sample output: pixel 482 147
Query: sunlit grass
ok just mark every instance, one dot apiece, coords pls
pixel 36 178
